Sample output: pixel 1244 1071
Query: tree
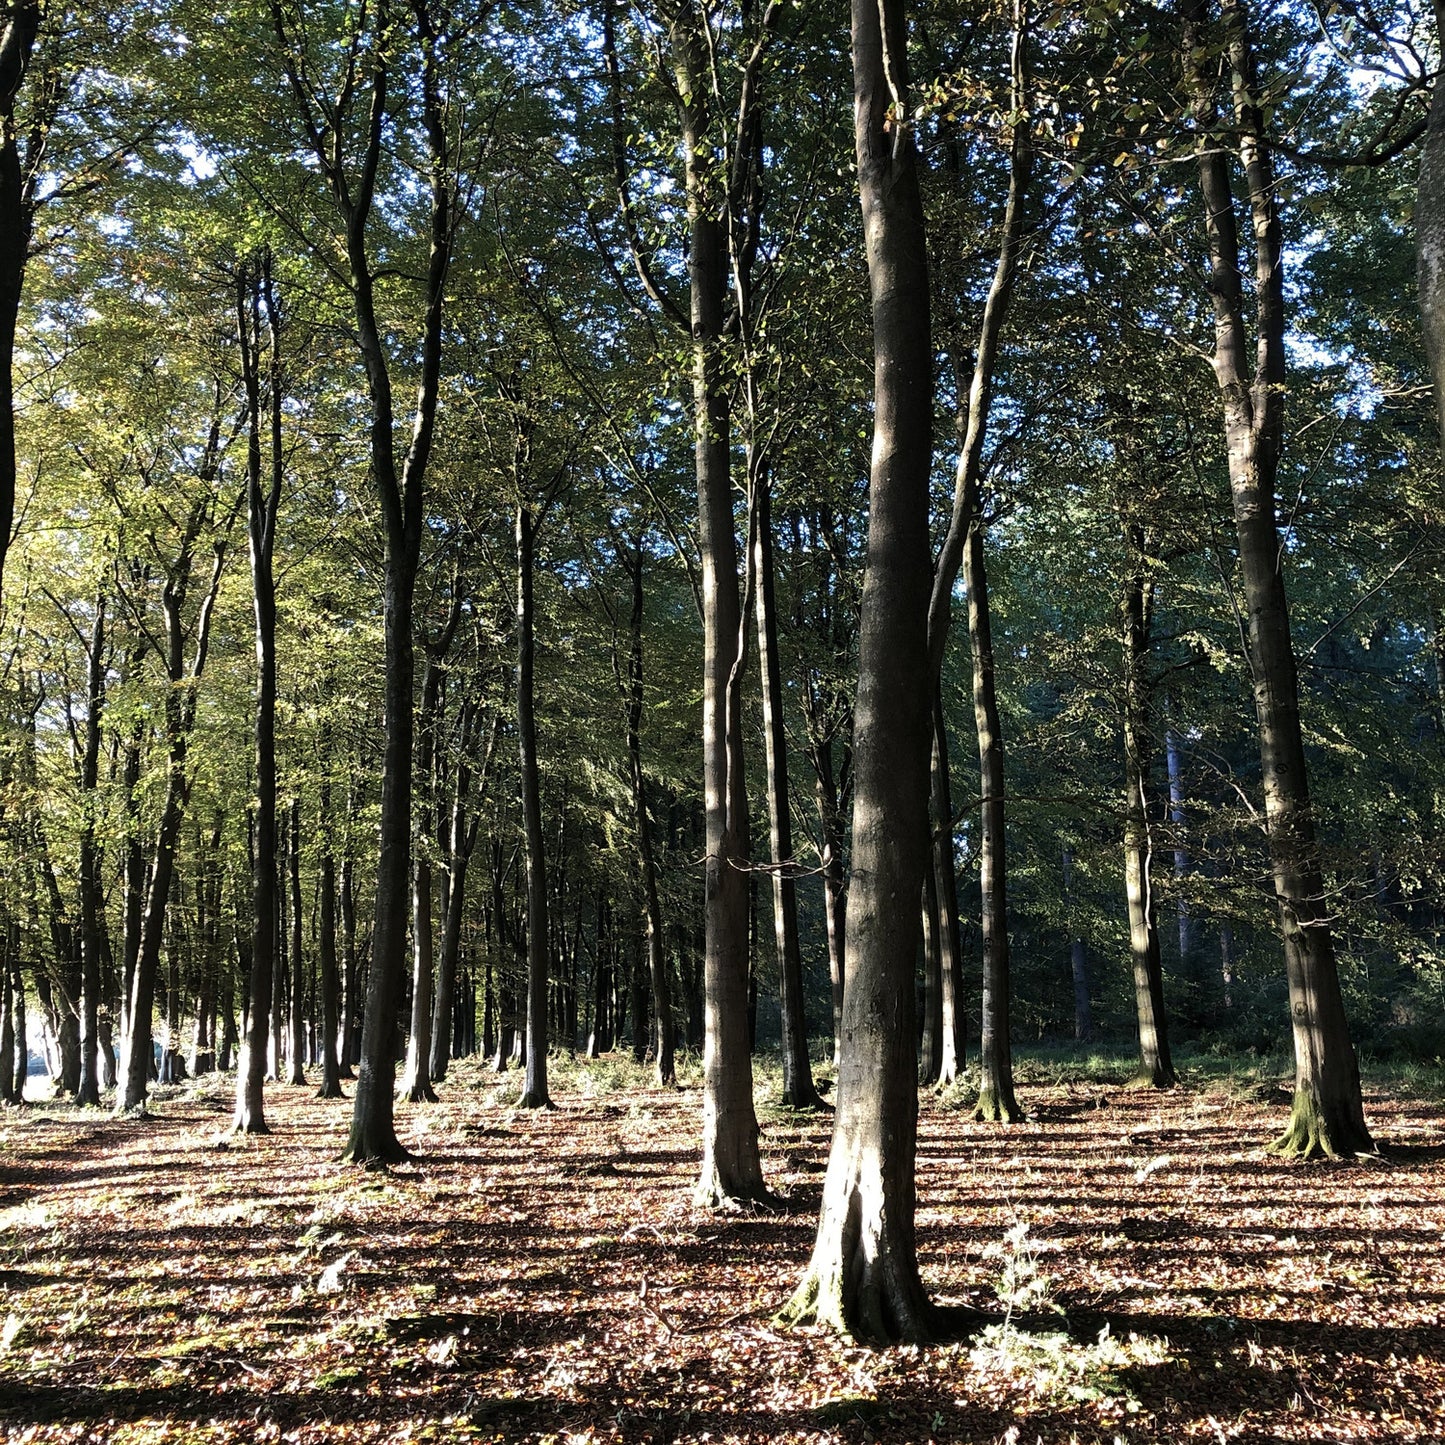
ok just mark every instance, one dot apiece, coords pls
pixel 327 107
pixel 863 1274
pixel 258 325
pixel 1328 1114
pixel 19 27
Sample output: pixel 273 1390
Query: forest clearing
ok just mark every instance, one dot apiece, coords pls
pixel 544 1276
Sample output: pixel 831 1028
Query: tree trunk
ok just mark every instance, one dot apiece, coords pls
pixel 534 1089
pixel 863 1275
pixel 996 1102
pixel 92 888
pixel 253 297
pixel 1430 235
pixel 798 1089
pixel 731 1165
pixel 1178 820
pixel 945 883
pixel 18 29
pixel 296 1032
pixel 330 981
pixel 416 1076
pixel 1155 1066
pixel 662 1024
pixel 1078 959
pixel 1328 1115
pixel 180 714
pixel 350 980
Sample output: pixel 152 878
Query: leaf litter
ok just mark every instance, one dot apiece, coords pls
pixel 1140 1270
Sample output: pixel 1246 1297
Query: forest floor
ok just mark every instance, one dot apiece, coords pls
pixel 545 1277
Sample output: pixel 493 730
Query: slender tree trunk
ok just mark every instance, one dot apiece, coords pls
pixel 263 496
pixel 1430 235
pixel 326 939
pixel 19 26
pixel 416 1076
pixel 965 544
pixel 863 1275
pixel 463 839
pixel 930 1044
pixel 180 713
pixel 1328 1115
pixel 731 1164
pixel 945 883
pixel 798 1089
pixel 92 894
pixel 1178 820
pixel 996 1101
pixel 534 1089
pixel 1078 959
pixel 349 967
pixel 1155 1065
pixel 296 1033
pixel 647 859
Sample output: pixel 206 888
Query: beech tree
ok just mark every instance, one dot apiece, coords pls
pixel 863 1274
pixel 1328 1114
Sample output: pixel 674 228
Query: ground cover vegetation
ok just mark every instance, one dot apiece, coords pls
pixel 530 542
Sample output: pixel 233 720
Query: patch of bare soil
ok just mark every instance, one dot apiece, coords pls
pixel 1148 1271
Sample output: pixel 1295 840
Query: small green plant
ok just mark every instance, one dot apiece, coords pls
pixel 1057 1368
pixel 1022 1287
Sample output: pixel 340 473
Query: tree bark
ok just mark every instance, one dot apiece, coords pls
pixel 945 884
pixel 964 544
pixel 731 1165
pixel 1430 235
pixel 255 299
pixel 1078 959
pixel 1328 1115
pixel 1156 1068
pixel 462 841
pixel 326 937
pixel 19 28
pixel 92 890
pixel 183 680
pixel 662 1026
pixel 416 1076
pixel 996 1101
pixel 534 1088
pixel 798 1088
pixel 296 1030
pixel 863 1276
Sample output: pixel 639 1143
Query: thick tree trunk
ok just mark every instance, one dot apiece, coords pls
pixel 863 1275
pixel 798 1089
pixel 534 1089
pixel 731 1164
pixel 1328 1116
pixel 1155 1065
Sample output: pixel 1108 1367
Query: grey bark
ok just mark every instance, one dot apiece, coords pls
pixel 863 1275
